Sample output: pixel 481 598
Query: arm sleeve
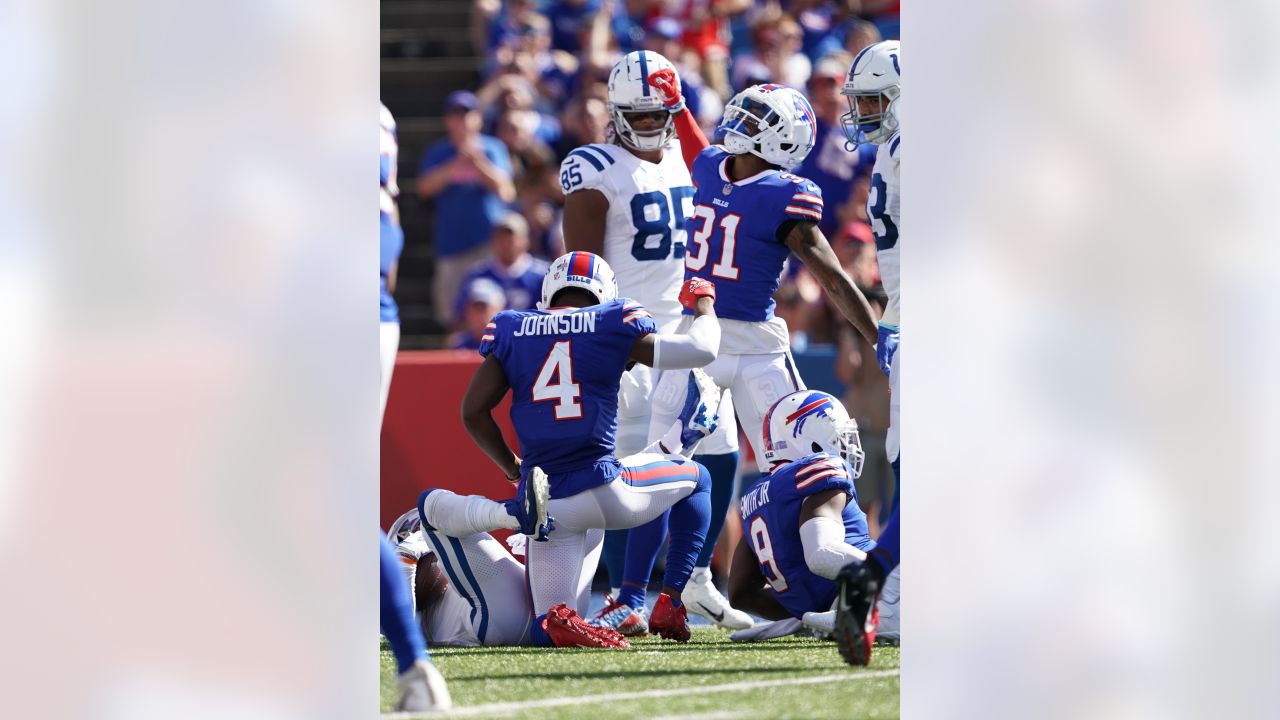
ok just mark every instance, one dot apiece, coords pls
pixel 696 348
pixel 825 551
pixel 692 141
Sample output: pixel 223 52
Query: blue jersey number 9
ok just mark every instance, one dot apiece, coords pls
pixel 669 216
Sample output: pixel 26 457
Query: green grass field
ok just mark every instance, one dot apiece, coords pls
pixel 519 683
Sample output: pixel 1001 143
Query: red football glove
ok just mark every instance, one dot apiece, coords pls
pixel 695 288
pixel 668 87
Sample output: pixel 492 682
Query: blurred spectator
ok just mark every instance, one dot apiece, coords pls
pixel 514 94
pixel 662 35
pixel 705 32
pixel 851 36
pixel 469 175
pixel 482 300
pixel 775 57
pixel 830 164
pixel 581 27
pixel 585 121
pixel 510 266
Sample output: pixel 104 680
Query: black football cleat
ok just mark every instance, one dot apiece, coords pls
pixel 857 587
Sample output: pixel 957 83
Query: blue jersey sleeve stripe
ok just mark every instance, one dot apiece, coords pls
pixel 599 166
pixel 893 146
pixel 608 158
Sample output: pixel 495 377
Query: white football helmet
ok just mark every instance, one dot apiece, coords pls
pixel 581 270
pixel 404 526
pixel 773 122
pixel 629 92
pixel 875 73
pixel 808 422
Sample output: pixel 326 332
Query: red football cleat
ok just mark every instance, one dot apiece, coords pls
pixel 568 630
pixel 669 621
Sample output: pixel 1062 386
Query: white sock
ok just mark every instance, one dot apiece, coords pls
pixel 459 516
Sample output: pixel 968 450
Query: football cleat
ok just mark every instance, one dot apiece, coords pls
pixel 567 629
pixel 701 597
pixel 669 621
pixel 422 689
pixel 699 416
pixel 625 619
pixel 857 586
pixel 530 508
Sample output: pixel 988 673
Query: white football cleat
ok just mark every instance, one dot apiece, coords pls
pixel 823 624
pixel 422 689
pixel 767 630
pixel 890 606
pixel 702 598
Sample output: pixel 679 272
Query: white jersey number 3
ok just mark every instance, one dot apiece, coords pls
pixel 564 391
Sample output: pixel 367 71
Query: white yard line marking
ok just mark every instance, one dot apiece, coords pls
pixel 508 707
pixel 724 715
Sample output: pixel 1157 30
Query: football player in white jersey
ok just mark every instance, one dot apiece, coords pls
pixel 874 86
pixel 628 201
pixel 480 603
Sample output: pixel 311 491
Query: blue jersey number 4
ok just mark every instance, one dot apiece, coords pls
pixel 667 216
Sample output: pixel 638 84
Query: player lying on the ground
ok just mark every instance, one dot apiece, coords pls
pixel 562 364
pixel 504 617
pixel 628 201
pixel 749 216
pixel 801 523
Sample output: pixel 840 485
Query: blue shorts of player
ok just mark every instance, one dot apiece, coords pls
pixel 886 553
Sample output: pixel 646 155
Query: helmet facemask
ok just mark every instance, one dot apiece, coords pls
pixel 875 127
pixel 641 140
pixel 851 445
pixel 744 124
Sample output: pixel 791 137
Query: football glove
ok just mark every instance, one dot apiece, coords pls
pixel 695 288
pixel 886 345
pixel 668 87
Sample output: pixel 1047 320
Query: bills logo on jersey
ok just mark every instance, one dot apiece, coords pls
pixel 816 404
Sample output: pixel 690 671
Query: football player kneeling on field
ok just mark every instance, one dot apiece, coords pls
pixel 801 523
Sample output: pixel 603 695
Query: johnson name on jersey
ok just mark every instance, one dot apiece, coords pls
pixel 884 207
pixel 649 204
pixel 564 367
pixel 770 512
pixel 734 240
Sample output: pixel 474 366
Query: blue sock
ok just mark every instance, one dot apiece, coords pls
pixel 398 623
pixel 643 544
pixel 723 469
pixel 538 634
pixel 615 555
pixel 689 521
pixel 886 553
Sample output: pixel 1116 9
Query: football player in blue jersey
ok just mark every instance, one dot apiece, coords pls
pixel 874 89
pixel 562 364
pixel 801 524
pixel 421 685
pixel 749 215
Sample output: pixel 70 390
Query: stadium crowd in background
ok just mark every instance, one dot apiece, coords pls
pixel 542 93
